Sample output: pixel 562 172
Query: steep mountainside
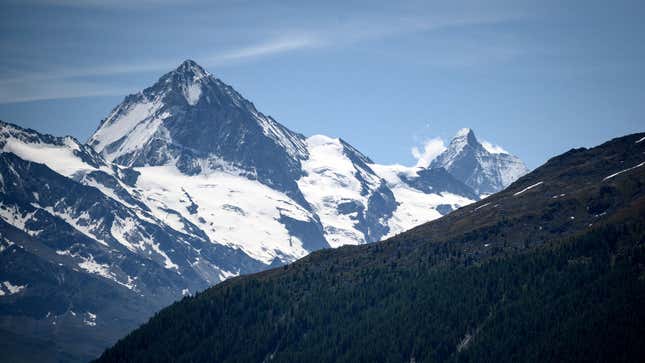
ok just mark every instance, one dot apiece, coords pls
pixel 194 121
pixel 193 137
pixel 550 269
pixel 484 169
pixel 77 242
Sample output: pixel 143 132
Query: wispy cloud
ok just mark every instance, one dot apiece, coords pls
pixel 34 84
pixel 431 149
pixel 100 3
pixel 57 90
pixel 64 82
pixel 492 148
pixel 266 48
pixel 280 45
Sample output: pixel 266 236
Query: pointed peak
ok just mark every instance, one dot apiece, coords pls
pixel 465 132
pixel 190 67
pixel 465 136
pixel 188 64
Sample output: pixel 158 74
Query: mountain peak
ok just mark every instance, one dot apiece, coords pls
pixel 464 132
pixel 196 122
pixel 190 67
pixel 482 167
pixel 464 136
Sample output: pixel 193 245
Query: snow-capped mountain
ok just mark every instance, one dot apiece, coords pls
pixel 196 140
pixel 195 122
pixel 183 185
pixel 483 168
pixel 90 258
pixel 100 201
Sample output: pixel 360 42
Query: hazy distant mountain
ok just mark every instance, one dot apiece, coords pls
pixel 484 169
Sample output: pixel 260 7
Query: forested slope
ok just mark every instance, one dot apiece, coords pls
pixel 551 269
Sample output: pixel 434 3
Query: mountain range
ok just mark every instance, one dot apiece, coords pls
pixel 184 185
pixel 550 269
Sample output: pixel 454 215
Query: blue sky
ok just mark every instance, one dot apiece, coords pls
pixel 537 78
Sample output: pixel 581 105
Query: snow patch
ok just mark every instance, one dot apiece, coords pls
pixel 192 93
pixel 90 265
pixel 126 232
pixel 13 216
pixel 81 223
pixel 136 120
pixel 416 207
pixel 224 275
pixel 392 173
pixel 13 289
pixel 139 136
pixel 89 319
pixel 623 171
pixel 60 159
pixel 527 189
pixel 481 206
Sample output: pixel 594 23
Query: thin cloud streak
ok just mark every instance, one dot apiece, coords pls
pixel 337 36
pixel 282 45
pixel 57 90
pixel 39 86
pixel 254 51
pixel 327 37
pixel 111 4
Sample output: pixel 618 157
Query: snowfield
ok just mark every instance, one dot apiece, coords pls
pixel 330 180
pixel 232 210
pixel 415 207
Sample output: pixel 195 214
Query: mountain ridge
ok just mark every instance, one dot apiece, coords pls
pixel 523 275
pixel 223 115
